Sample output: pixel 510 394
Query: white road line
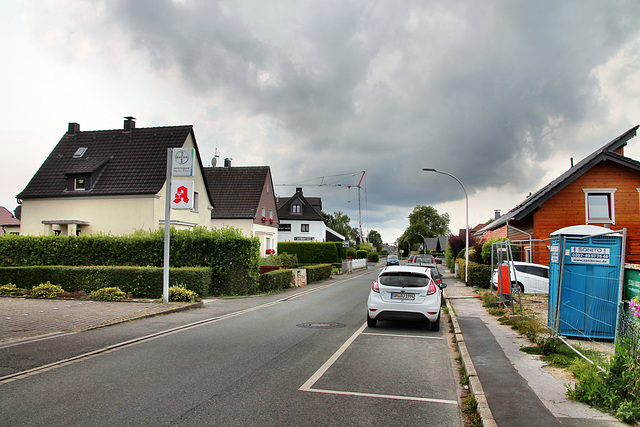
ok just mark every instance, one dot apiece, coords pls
pixel 384 396
pixel 403 336
pixel 324 368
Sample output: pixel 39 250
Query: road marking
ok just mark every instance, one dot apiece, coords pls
pixel 403 336
pixel 307 386
pixel 325 367
pixel 384 396
pixel 60 363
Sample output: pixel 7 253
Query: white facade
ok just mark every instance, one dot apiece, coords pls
pixel 317 231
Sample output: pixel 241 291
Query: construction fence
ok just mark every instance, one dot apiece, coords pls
pixel 582 295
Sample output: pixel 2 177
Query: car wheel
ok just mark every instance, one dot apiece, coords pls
pixel 371 322
pixel 435 326
pixel 521 286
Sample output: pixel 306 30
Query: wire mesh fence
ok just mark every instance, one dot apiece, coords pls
pixel 585 307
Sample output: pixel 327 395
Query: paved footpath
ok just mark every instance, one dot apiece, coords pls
pixel 22 318
pixel 512 388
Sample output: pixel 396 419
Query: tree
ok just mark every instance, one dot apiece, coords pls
pixel 375 239
pixel 425 221
pixel 339 222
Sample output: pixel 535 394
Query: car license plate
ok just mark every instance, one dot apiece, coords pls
pixel 405 296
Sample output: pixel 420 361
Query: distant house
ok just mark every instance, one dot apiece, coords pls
pixel 243 198
pixel 301 221
pixel 438 244
pixel 9 224
pixel 110 181
pixel 603 189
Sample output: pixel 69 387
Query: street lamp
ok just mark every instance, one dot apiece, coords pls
pixel 466 201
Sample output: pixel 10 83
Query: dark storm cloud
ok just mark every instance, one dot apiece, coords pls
pixel 473 88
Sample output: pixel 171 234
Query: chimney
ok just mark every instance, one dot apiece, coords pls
pixel 129 124
pixel 299 190
pixel 73 128
pixel 496 213
pixel 227 162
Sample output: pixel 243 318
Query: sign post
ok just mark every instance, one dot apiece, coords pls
pixel 167 231
pixel 179 196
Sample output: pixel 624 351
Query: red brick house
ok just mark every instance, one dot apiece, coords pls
pixel 603 189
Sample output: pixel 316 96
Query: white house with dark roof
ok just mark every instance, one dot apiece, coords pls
pixel 301 221
pixel 112 182
pixel 243 197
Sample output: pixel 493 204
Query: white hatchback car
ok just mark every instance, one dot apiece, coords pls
pixel 530 278
pixel 405 293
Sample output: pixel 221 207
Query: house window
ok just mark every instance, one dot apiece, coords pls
pixel 271 214
pixel 79 183
pixel 304 228
pixel 296 208
pixel 600 205
pixel 284 227
pixel 263 213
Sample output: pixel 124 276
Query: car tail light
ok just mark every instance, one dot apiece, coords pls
pixel 432 288
pixel 375 287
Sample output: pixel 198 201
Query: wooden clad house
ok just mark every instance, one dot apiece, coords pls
pixel 603 189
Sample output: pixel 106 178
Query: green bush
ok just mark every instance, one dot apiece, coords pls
pixel 240 281
pixel 373 257
pixel 107 294
pixel 617 390
pixel 351 252
pixel 12 290
pixel 275 281
pixel 286 260
pixel 318 273
pixel 361 254
pixel 140 282
pixel 46 290
pixel 199 247
pixel 479 275
pixel 179 293
pixel 311 252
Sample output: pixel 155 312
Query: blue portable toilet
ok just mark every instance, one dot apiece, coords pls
pixel 585 275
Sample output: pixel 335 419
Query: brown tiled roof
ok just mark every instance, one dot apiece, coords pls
pixel 7 218
pixel 121 162
pixel 235 191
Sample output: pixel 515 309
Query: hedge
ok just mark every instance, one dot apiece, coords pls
pixel 140 282
pixel 232 257
pixel 311 252
pixel 275 280
pixel 479 274
pixel 318 273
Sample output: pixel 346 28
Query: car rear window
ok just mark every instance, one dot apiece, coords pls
pixel 404 279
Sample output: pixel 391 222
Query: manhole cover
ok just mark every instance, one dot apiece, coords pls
pixel 321 325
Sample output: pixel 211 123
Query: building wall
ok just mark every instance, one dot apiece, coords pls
pixel 567 208
pixel 317 232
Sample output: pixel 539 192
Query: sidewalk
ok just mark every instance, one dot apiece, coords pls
pixel 22 318
pixel 512 388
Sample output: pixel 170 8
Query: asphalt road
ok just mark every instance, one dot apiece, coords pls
pixel 299 358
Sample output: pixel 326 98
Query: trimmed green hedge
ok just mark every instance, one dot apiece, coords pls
pixel 361 254
pixel 318 273
pixel 140 282
pixel 311 252
pixel 479 274
pixel 275 280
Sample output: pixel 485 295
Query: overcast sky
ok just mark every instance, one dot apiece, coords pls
pixel 500 94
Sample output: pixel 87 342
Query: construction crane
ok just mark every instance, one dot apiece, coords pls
pixel 338 184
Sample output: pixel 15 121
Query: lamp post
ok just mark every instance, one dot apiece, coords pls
pixel 466 202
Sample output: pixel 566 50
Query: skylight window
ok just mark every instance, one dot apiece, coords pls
pixel 79 152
